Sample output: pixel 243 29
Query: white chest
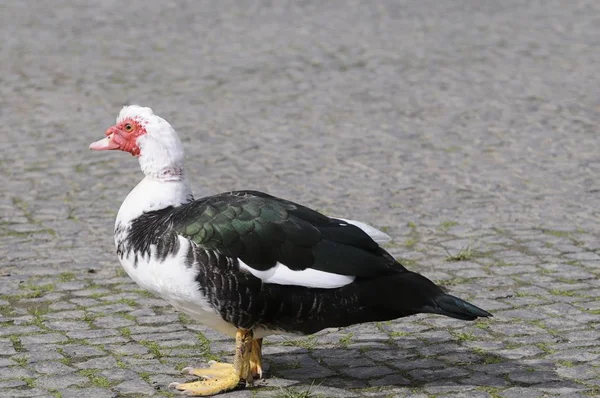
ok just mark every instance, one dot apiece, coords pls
pixel 172 280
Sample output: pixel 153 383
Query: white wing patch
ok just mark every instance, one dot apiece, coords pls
pixel 282 275
pixel 375 234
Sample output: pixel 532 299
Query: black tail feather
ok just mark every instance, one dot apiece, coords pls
pixel 413 293
pixel 455 307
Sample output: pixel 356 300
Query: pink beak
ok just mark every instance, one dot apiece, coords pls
pixel 104 144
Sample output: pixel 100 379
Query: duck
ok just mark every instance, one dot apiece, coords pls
pixel 249 264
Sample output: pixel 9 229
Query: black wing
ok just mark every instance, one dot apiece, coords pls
pixel 262 230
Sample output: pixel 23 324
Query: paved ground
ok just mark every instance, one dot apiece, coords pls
pixel 467 129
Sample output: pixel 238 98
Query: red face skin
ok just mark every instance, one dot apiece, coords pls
pixel 122 136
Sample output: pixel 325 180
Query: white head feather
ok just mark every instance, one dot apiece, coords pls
pixel 161 151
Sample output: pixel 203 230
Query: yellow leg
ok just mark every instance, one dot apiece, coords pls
pixel 223 377
pixel 256 359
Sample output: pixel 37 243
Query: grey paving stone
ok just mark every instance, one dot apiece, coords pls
pixel 436 374
pixel 14 372
pixel 127 349
pixel 66 326
pixel 533 376
pixel 112 322
pixel 12 384
pixel 110 308
pixel 86 392
pixel 29 392
pixel 92 335
pixel 134 387
pixel 521 392
pixel 51 368
pixel 306 372
pixel 97 363
pixel 10 330
pixel 81 351
pixel 367 372
pixel 76 314
pixel 60 381
pixel 6 347
pixel 574 355
pixel 118 375
pixel 389 380
pixel 45 338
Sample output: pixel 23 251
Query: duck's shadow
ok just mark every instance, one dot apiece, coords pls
pixel 438 365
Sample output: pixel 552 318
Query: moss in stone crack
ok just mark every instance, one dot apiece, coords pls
pixel 446 225
pixel 90 317
pixel 16 342
pixel 92 285
pixel 556 233
pixel 66 277
pixel 144 293
pixel 544 347
pixel 56 394
pixel 567 280
pixel 127 316
pixel 287 365
pixel 460 336
pixel 564 293
pixel 309 343
pixel 6 310
pixel 30 381
pixel 487 357
pixel 121 364
pixel 179 366
pixel 145 376
pixel 398 334
pixel 294 393
pixel 385 229
pixel 127 301
pixel 407 262
pixel 482 324
pixel 153 347
pixel 21 361
pixel 594 390
pixel 566 364
pixel 463 254
pixel 35 291
pixel 204 344
pixel 120 272
pixel 38 310
pixel 66 360
pixel 184 319
pixel 410 243
pixel 346 340
pixel 494 392
pixel 97 295
pixel 456 281
pixel 95 379
pixel 125 332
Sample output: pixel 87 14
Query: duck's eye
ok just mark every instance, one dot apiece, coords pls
pixel 128 127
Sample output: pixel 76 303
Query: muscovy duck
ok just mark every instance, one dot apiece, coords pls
pixel 249 264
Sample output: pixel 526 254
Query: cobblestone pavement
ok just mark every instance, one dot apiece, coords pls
pixel 466 129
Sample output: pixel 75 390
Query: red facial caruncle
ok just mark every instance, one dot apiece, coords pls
pixel 121 136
